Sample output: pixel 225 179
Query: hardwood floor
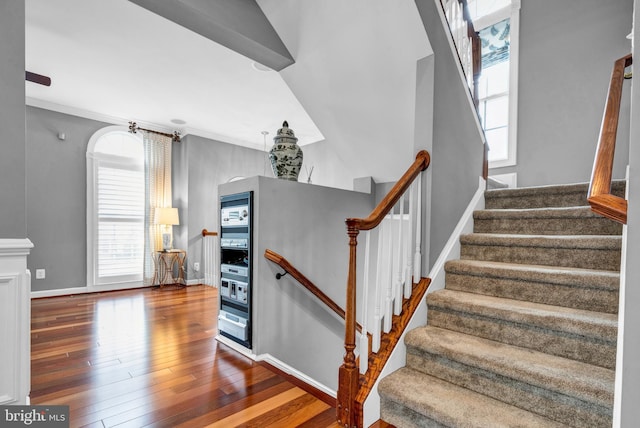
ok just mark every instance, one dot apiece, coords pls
pixel 148 357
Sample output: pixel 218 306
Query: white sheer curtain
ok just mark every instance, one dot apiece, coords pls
pixel 157 169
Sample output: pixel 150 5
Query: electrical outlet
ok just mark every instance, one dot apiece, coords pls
pixel 40 273
pixel 196 267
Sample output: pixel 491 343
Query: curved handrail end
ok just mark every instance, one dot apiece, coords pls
pixel 205 232
pixel 425 157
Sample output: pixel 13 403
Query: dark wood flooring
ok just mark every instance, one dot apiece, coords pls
pixel 148 357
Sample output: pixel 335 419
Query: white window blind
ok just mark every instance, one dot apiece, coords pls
pixel 121 209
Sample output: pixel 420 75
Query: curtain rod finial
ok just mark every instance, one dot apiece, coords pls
pixel 133 127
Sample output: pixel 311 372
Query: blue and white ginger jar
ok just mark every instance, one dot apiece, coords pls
pixel 286 155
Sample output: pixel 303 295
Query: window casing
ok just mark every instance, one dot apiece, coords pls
pixel 497 88
pixel 115 208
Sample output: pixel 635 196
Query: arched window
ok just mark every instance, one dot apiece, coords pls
pixel 115 208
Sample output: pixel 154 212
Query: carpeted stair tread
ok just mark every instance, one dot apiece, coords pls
pixel 589 289
pixel 560 375
pixel 556 318
pixel 524 334
pixel 581 251
pixel 581 335
pixel 554 241
pixel 568 195
pixel 441 403
pixel 542 212
pixel 545 221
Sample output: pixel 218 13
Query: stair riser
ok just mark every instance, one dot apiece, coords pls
pixel 541 200
pixel 553 405
pixel 586 258
pixel 533 226
pixel 600 300
pixel 580 348
pixel 552 196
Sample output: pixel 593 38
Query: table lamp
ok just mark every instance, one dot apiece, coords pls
pixel 167 217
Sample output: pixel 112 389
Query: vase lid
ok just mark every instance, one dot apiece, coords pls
pixel 285 132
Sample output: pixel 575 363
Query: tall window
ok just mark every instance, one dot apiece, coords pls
pixel 498 24
pixel 115 207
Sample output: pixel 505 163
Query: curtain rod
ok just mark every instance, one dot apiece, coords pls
pixel 133 128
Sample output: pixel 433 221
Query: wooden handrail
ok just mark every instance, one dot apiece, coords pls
pixel 599 196
pixel 205 232
pixel 306 283
pixel 348 375
pixel 420 164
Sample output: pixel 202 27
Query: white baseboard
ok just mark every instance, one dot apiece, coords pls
pixel 270 359
pixel 59 292
pixel 451 249
pixel 98 288
pixel 236 347
pixel 88 289
pixel 198 281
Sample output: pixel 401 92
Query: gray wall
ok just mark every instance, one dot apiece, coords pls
pixel 56 193
pixel 289 323
pixel 456 152
pixel 628 367
pixel 13 223
pixel 199 166
pixel 56 178
pixel 567 50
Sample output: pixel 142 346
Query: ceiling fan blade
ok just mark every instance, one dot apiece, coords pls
pixel 38 78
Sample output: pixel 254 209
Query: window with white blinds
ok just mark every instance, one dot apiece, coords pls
pixel 120 248
pixel 115 209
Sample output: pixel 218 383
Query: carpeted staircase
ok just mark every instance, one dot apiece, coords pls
pixel 524 333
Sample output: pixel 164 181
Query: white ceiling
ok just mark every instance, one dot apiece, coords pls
pixel 354 74
pixel 117 60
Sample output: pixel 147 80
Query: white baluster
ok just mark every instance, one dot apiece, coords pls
pixel 375 346
pixel 364 341
pixel 389 262
pixel 447 10
pixel 417 258
pixel 408 271
pixel 456 24
pixel 399 287
pixel 470 55
pixel 207 262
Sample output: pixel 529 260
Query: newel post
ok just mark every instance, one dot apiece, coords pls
pixel 348 376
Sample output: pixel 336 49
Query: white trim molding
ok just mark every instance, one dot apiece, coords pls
pixel 511 12
pixel 15 321
pixel 270 359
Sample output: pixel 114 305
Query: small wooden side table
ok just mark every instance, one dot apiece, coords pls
pixel 166 265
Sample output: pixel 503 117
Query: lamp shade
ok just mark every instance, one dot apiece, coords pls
pixel 166 216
